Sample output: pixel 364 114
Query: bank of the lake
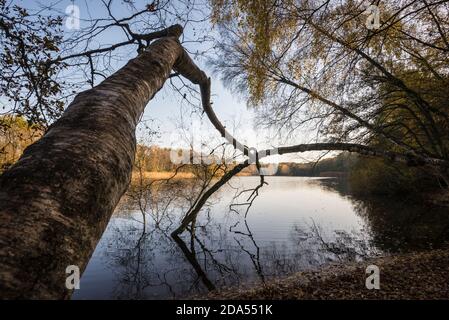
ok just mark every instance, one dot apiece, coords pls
pixel 420 275
pixel 413 275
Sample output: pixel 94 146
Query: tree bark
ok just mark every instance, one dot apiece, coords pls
pixel 56 201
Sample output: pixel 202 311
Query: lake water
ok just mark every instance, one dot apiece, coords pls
pixel 294 224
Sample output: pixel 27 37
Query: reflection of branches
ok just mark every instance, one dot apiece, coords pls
pixel 403 225
pixel 254 192
pixel 204 175
pixel 135 259
pixel 134 280
pixel 221 268
pixel 255 258
pixel 249 201
pixel 191 215
pixel 317 233
pixel 191 258
pixel 345 246
pixel 199 203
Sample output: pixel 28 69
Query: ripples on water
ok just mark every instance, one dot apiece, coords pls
pixel 295 224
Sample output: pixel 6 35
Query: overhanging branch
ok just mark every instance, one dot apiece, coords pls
pixel 187 68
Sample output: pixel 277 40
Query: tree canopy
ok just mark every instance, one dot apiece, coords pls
pixel 315 64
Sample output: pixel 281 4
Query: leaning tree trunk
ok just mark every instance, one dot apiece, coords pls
pixel 56 201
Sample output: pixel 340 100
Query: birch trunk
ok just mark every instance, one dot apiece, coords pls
pixel 56 201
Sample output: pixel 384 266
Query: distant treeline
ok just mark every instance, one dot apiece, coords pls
pixel 331 167
pixel 157 159
pixel 160 159
pixel 154 159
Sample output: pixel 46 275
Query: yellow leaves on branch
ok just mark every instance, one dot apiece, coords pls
pixel 261 24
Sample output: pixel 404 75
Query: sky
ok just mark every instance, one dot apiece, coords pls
pixel 168 110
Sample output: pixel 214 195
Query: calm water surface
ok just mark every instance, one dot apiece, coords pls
pixel 294 224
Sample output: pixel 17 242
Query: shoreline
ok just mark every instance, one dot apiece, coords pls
pixel 151 175
pixel 419 275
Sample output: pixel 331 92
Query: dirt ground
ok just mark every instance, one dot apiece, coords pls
pixel 422 275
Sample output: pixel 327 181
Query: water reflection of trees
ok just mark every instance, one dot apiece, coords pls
pixel 131 256
pixel 218 252
pixel 398 224
pixel 401 226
